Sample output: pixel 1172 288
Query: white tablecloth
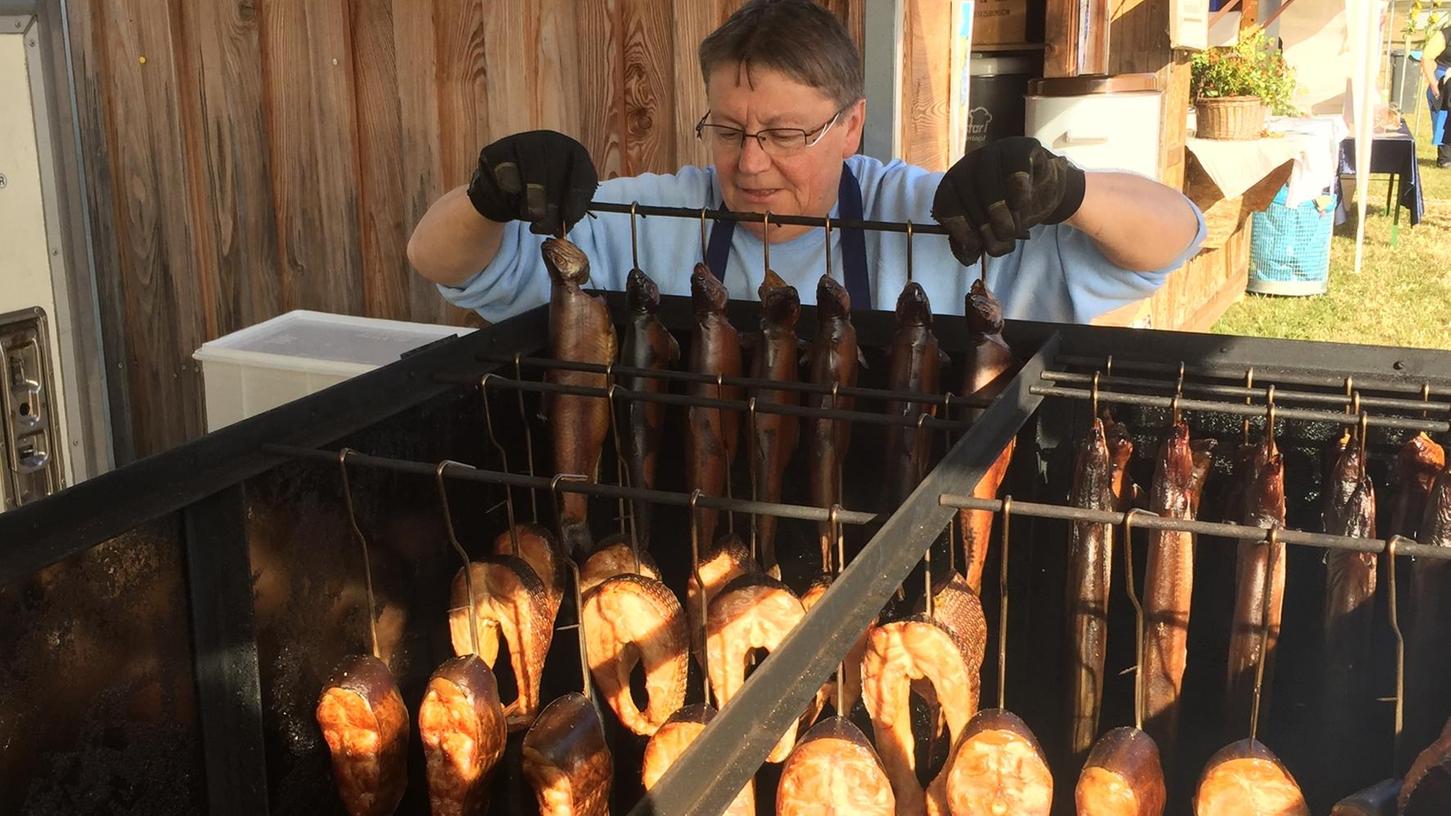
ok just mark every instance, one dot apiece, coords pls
pixel 1311 143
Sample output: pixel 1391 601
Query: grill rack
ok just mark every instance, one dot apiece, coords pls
pixel 203 483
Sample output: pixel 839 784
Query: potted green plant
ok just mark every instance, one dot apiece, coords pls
pixel 1234 86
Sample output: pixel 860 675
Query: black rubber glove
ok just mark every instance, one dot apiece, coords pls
pixel 542 177
pixel 991 197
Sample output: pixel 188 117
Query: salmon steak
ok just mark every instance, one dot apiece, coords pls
pixel 461 723
pixel 753 612
pixel 365 726
pixel 567 761
pixel 631 620
pixel 833 771
pixel 510 604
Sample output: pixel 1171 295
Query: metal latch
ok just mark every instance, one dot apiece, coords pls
pixel 31 465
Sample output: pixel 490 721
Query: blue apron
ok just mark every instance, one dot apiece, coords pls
pixel 853 242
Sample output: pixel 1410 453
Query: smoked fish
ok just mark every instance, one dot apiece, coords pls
pixel 712 434
pixel 648 344
pixel 580 331
pixel 834 356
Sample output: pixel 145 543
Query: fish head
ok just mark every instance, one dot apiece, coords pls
pixel 1120 443
pixel 642 291
pixel 707 293
pixel 1267 493
pixel 567 263
pixel 984 311
pixel 913 308
pixel 832 299
pixel 1174 469
pixel 780 302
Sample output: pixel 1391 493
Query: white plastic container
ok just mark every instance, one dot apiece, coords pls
pixel 1098 122
pixel 300 353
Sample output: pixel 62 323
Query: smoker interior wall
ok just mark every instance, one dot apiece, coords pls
pixel 97 692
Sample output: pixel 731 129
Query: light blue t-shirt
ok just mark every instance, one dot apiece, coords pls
pixel 1057 275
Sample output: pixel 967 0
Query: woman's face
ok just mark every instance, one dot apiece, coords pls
pixel 803 182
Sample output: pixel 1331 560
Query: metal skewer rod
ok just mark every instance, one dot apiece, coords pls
pixel 503 462
pixel 693 502
pixel 1007 508
pixel 864 417
pixel 1149 521
pixel 1138 619
pixel 1271 543
pixel 1400 722
pixel 1236 409
pixel 857 392
pixel 528 437
pixel 608 491
pixel 1248 391
pixel 1231 372
pixel 758 218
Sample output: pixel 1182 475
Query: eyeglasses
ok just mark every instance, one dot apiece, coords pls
pixel 775 142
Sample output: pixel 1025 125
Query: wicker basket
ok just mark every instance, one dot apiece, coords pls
pixel 1230 117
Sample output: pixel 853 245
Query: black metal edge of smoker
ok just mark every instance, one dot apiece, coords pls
pixel 45 532
pixel 224 647
pixel 716 766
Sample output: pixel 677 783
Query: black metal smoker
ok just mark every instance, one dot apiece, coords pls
pixel 168 626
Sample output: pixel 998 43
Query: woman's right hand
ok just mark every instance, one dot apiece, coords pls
pixel 542 177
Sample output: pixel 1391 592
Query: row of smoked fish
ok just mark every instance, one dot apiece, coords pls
pixel 1246 777
pixel 734 610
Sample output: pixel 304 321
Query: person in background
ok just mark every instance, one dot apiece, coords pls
pixel 1435 62
pixel 784 85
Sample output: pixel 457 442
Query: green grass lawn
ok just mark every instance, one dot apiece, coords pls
pixel 1402 296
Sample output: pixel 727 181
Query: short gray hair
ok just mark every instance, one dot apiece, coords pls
pixel 796 37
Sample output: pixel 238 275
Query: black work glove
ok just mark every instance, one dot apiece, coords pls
pixel 542 177
pixel 991 197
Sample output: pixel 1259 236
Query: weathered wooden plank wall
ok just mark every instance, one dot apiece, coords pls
pixel 249 157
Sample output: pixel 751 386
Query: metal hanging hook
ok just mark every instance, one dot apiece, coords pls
pixel 1426 397
pixel 1270 415
pixel 909 250
pixel 1174 414
pixel 503 463
pixel 1271 542
pixel 751 468
pixel 1003 606
pixel 623 476
pixel 634 236
pixel 703 240
pixel 1360 435
pixel 1395 622
pixel 1138 618
pixel 952 525
pixel 833 525
pixel 363 545
pixel 1179 383
pixel 700 586
pixel 554 495
pixel 528 434
pixel 720 416
pixel 766 240
pixel 1093 397
pixel 1108 366
pixel 438 475
pixel 828 245
pixel 586 687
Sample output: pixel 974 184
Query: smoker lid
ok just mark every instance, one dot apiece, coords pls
pixel 1089 84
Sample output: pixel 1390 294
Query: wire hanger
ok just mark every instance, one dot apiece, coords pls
pixel 528 435
pixel 704 605
pixel 503 462
pixel 458 548
pixel 1003 606
pixel 1138 618
pixel 363 545
pixel 1272 541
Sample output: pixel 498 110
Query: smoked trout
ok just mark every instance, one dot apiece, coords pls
pixel 834 769
pixel 1203 453
pixel 648 344
pixel 669 743
pixel 567 761
pixel 461 724
pixel 996 767
pixel 580 331
pixel 1090 556
pixel 1122 777
pixel 1350 584
pixel 1168 587
pixel 916 366
pixel 1428 660
pixel 1417 463
pixel 990 365
pixel 712 434
pixel 834 356
pixel 1264 507
pixel 365 725
pixel 774 435
pixel 1246 779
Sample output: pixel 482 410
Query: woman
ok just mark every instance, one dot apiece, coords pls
pixel 784 85
pixel 1435 62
